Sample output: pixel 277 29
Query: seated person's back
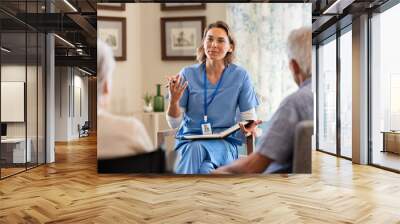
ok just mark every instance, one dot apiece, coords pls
pixel 275 152
pixel 120 136
pixel 117 136
pixel 277 143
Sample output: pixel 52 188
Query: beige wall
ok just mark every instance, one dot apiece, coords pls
pixel 144 67
pixel 127 81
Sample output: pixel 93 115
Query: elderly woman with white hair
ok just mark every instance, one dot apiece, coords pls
pixel 117 136
pixel 274 153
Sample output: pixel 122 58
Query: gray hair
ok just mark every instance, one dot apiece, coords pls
pixel 105 66
pixel 299 48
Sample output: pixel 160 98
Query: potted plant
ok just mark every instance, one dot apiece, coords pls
pixel 147 102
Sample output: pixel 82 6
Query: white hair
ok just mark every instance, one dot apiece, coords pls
pixel 105 66
pixel 299 48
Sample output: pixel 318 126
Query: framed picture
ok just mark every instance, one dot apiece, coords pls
pixel 180 37
pixel 112 30
pixel 182 6
pixel 111 6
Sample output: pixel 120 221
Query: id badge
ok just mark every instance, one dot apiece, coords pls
pixel 206 129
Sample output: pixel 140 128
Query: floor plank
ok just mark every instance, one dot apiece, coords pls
pixel 71 191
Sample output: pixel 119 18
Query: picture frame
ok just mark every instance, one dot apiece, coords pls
pixel 182 6
pixel 181 36
pixel 112 30
pixel 111 6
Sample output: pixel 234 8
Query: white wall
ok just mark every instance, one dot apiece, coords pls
pixel 17 73
pixel 144 68
pixel 61 103
pixel 33 127
pixel 79 117
pixel 68 84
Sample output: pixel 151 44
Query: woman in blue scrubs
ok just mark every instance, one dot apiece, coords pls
pixel 208 97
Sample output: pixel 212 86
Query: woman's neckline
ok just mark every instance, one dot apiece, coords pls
pixel 217 80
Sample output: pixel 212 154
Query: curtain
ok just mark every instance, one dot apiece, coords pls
pixel 261 31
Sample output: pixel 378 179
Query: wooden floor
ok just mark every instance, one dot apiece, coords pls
pixel 70 191
pixel 10 171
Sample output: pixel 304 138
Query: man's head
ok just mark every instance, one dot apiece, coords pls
pixel 299 53
pixel 105 68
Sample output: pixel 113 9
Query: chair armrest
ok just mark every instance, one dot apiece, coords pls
pixel 250 140
pixel 162 134
pixel 161 143
pixel 302 147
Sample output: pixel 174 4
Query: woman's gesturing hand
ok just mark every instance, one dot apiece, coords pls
pixel 176 88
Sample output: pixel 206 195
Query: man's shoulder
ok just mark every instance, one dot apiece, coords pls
pixel 119 121
pixel 301 101
pixel 302 93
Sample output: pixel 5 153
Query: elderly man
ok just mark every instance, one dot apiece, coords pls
pixel 117 136
pixel 275 150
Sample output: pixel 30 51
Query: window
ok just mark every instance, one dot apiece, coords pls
pixel 327 96
pixel 261 31
pixel 385 88
pixel 346 94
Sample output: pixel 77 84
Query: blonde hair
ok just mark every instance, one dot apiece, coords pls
pixel 229 57
pixel 105 66
pixel 299 48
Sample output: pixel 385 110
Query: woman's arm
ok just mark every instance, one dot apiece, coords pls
pixel 174 110
pixel 248 115
pixel 252 128
pixel 175 122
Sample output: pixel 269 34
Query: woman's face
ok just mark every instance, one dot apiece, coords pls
pixel 216 44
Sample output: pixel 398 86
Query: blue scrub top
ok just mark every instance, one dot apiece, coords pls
pixel 236 93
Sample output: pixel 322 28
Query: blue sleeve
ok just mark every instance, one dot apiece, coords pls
pixel 185 97
pixel 247 96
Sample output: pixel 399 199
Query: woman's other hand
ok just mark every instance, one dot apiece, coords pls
pixel 250 129
pixel 176 88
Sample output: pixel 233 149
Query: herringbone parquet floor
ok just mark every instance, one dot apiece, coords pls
pixel 70 191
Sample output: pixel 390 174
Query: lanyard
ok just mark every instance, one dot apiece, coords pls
pixel 213 94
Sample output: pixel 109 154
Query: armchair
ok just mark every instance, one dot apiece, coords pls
pixel 302 147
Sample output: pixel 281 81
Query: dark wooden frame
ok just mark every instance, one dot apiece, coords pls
pixel 163 21
pixel 164 7
pixel 123 22
pixel 114 8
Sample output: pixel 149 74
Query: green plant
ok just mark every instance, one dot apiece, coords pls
pixel 147 98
